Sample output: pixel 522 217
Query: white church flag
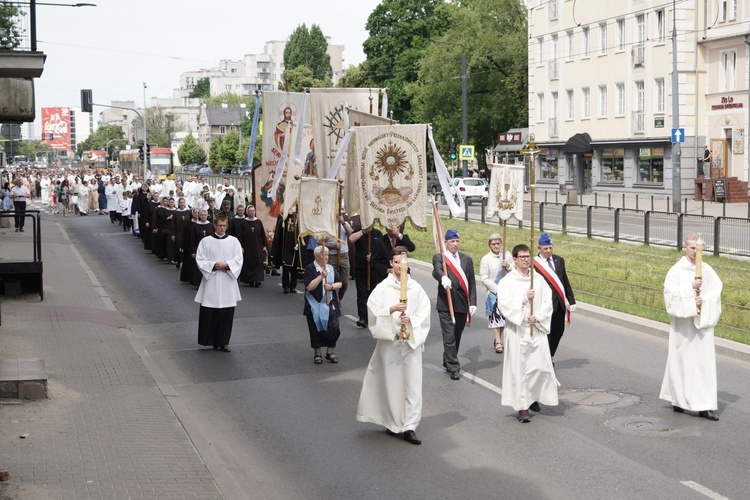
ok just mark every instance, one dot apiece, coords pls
pixel 392 170
pixel 506 191
pixel 318 207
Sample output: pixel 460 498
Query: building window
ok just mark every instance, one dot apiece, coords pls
pixel 640 43
pixel 621 34
pixel 548 167
pixel 553 131
pixel 603 38
pixel 228 87
pixel 650 165
pixel 552 10
pixel 540 50
pixel 233 70
pixel 620 99
pixel 553 74
pixel 540 107
pixel 727 77
pixel 585 42
pixel 602 101
pixel 571 47
pixel 189 82
pixel 613 165
pixel 585 103
pixel 660 27
pixel 570 104
pixel 727 10
pixel 639 115
pixel 659 95
pixel 222 129
pixel 732 10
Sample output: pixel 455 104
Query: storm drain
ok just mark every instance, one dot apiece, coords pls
pixel 598 400
pixel 651 427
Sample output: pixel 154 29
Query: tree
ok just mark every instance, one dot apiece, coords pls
pixel 357 77
pixel 493 35
pixel 230 99
pixel 190 152
pixel 29 149
pixel 399 32
pixel 228 151
pixel 301 77
pixel 202 89
pixel 99 139
pixel 160 126
pixel 10 32
pixel 214 152
pixel 308 48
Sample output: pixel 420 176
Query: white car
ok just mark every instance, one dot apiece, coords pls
pixel 471 189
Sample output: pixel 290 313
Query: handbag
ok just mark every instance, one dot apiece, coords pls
pixel 74 200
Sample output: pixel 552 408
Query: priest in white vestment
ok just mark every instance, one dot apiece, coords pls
pixel 528 374
pixel 695 306
pixel 219 259
pixel 392 390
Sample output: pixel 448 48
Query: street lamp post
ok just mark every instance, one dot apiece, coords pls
pixel 464 100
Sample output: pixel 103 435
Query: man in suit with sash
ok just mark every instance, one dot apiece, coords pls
pixel 458 279
pixel 552 268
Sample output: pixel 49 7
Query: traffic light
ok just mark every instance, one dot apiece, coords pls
pixel 140 152
pixel 148 152
pixel 87 101
pixel 453 152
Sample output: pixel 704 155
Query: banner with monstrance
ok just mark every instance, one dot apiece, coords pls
pixel 329 128
pixel 391 164
pixel 506 192
pixel 281 111
pixel 357 119
pixel 318 207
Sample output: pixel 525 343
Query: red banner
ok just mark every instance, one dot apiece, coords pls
pixel 56 128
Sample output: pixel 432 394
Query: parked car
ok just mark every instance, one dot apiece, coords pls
pixel 240 170
pixel 205 170
pixel 472 189
pixel 433 184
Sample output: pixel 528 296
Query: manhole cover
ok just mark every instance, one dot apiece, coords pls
pixel 640 424
pixel 589 398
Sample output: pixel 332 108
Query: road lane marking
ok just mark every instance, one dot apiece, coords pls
pixel 703 490
pixel 482 382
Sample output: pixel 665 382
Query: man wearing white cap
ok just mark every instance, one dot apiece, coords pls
pixel 552 268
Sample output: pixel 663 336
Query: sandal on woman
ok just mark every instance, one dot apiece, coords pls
pixel 318 359
pixel 332 357
pixel 498 347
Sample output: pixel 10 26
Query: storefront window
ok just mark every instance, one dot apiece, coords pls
pixel 651 165
pixel 549 167
pixel 613 165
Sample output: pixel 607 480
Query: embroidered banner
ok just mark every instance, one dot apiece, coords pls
pixel 506 192
pixel 391 164
pixel 294 171
pixel 318 207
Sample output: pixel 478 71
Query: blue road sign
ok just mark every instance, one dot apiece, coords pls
pixel 678 135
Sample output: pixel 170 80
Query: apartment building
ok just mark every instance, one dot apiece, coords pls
pixel 600 92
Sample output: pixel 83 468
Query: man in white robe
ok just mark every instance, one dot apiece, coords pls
pixel 695 306
pixel 113 199
pixel 528 374
pixel 392 390
pixel 219 259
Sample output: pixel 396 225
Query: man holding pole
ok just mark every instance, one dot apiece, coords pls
pixel 454 271
pixel 692 294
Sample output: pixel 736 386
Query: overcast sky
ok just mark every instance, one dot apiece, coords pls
pixel 118 45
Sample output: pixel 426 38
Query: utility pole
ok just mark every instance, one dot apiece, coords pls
pixel 676 146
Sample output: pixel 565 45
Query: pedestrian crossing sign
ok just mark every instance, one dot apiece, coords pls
pixel 467 152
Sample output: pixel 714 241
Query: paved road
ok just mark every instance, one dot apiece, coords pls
pixel 271 424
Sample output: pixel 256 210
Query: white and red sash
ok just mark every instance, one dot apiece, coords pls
pixel 543 268
pixel 459 273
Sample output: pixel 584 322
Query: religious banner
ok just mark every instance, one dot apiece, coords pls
pixel 391 164
pixel 351 192
pixel 327 114
pixel 280 120
pixel 318 207
pixel 506 191
pixel 295 171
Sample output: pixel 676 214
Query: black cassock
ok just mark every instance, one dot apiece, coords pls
pixel 198 232
pixel 252 237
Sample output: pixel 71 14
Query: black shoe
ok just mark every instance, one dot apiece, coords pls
pixel 524 417
pixel 390 432
pixel 225 349
pixel 677 409
pixel 20 229
pixel 178 265
pixel 455 375
pixel 332 357
pixel 535 407
pixel 411 437
pixel 708 414
pixel 275 273
pixel 286 290
pixel 361 323
pixel 293 290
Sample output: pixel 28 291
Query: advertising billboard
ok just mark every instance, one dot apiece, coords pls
pixel 56 128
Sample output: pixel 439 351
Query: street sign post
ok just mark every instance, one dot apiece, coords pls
pixel 467 152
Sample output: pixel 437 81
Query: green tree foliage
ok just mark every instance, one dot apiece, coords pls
pixel 161 127
pixel 308 48
pixel 230 99
pixel 202 89
pixel 214 152
pixel 190 152
pixel 10 19
pixel 493 35
pixel 357 77
pixel 228 151
pixel 98 140
pixel 399 32
pixel 300 78
pixel 30 149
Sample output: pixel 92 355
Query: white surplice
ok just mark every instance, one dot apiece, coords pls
pixel 219 289
pixel 392 389
pixel 528 374
pixel 690 376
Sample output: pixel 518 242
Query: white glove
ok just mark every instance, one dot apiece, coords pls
pixel 446 282
pixel 472 310
pixel 572 307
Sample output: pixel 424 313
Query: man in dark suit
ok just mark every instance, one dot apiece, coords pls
pixel 381 251
pixel 459 281
pixel 552 267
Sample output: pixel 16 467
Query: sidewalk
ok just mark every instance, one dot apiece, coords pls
pixel 106 431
